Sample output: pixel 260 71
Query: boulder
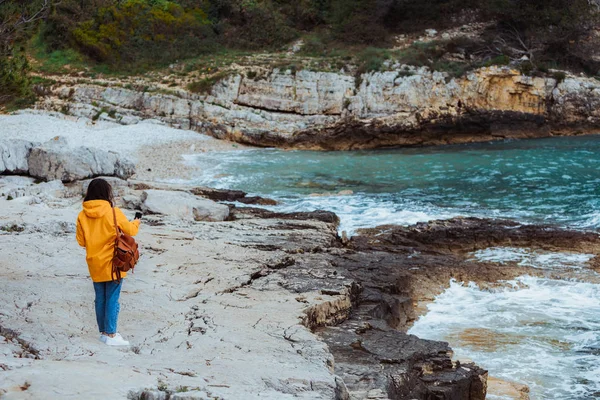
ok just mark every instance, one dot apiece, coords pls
pixel 183 205
pixel 14 154
pixel 55 160
pixel 131 202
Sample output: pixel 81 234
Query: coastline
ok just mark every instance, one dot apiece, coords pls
pixel 404 106
pixel 253 307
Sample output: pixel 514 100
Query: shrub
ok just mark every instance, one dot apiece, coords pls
pixel 258 25
pixel 138 32
pixel 414 56
pixel 526 67
pixel 15 84
pixel 314 46
pixel 559 76
pixel 358 22
pixel 499 60
pixel 417 15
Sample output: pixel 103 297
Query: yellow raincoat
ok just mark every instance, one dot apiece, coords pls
pixel 96 232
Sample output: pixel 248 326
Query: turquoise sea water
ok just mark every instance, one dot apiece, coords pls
pixel 553 180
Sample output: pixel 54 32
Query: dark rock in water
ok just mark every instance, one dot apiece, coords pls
pixel 219 194
pixel 470 234
pixel 318 215
pixel 231 195
pixel 261 201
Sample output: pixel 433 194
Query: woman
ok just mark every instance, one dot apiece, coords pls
pixel 96 232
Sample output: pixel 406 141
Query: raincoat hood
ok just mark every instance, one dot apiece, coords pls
pixel 96 208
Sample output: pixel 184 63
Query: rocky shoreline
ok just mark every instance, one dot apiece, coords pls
pixel 310 110
pixel 232 301
pixel 333 314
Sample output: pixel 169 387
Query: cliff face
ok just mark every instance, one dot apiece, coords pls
pixel 322 110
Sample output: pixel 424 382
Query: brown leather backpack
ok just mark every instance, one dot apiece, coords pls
pixel 126 253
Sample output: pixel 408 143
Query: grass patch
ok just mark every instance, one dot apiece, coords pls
pixel 372 59
pixel 40 80
pixel 204 86
pixel 59 61
pixel 499 60
pixel 211 63
pixel 54 62
pixel 452 68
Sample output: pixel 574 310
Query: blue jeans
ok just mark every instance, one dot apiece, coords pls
pixel 107 305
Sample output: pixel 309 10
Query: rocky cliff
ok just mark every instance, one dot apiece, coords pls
pixel 336 111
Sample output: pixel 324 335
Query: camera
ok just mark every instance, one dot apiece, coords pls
pixel 138 215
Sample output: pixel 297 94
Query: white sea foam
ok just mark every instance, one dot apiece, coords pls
pixel 358 211
pixel 531 258
pixel 498 397
pixel 543 333
pixel 591 220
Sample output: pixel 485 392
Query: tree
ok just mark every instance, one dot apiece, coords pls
pixel 542 30
pixel 17 16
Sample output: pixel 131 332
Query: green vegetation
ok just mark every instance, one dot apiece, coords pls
pixel 15 83
pixel 559 76
pixel 137 32
pixel 17 22
pixel 122 37
pixel 55 61
pixel 204 86
pixel 12 228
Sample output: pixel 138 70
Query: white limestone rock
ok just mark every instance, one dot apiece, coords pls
pixel 183 205
pixel 577 98
pixel 53 189
pixel 56 160
pixel 303 93
pixel 14 155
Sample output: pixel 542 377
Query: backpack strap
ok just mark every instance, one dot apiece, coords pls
pixel 115 273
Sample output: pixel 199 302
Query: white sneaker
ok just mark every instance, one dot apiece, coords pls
pixel 116 341
pixel 103 338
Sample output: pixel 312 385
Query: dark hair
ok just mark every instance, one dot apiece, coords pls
pixel 99 189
